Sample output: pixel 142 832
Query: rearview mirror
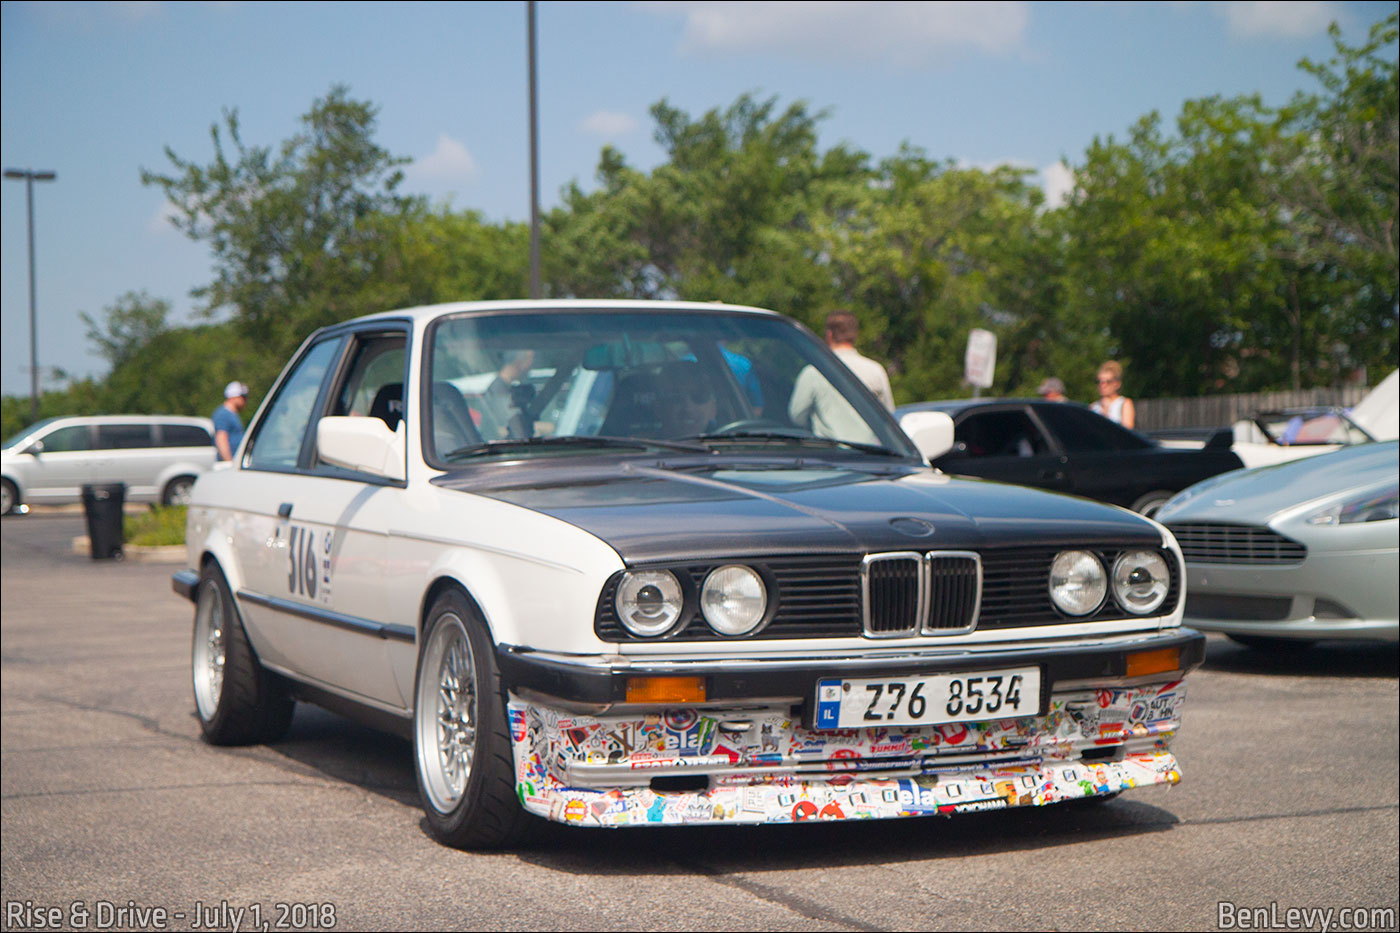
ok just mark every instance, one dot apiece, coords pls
pixel 365 445
pixel 931 432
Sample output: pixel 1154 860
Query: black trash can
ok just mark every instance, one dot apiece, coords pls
pixel 103 504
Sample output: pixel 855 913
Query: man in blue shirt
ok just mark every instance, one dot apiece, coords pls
pixel 228 427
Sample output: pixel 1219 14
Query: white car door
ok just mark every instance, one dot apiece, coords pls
pixel 131 456
pixel 322 529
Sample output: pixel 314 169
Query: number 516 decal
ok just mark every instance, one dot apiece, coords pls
pixel 304 565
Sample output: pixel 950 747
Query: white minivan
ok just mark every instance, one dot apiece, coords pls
pixel 158 457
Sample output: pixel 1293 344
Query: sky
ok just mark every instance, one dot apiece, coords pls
pixel 97 91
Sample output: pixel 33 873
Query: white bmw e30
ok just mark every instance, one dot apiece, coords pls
pixel 634 563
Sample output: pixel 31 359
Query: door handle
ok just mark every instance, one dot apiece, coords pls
pixel 1052 474
pixel 284 511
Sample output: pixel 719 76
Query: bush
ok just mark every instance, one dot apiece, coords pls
pixel 161 526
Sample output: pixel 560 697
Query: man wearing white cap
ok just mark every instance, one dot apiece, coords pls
pixel 228 427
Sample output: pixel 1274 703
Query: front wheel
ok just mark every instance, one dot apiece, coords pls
pixel 1151 503
pixel 237 700
pixel 462 752
pixel 9 497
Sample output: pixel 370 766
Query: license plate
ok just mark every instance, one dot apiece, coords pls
pixel 928 699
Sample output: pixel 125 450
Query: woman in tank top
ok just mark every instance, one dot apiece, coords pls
pixel 1111 405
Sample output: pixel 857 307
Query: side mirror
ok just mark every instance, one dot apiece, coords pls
pixel 35 448
pixel 931 432
pixel 365 445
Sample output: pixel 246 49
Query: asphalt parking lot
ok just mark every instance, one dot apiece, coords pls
pixel 114 810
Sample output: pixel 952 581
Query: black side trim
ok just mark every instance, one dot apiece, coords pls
pixel 325 617
pixel 798 678
pixel 185 583
pixel 364 714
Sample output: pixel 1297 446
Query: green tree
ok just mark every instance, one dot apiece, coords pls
pixel 927 251
pixel 289 230
pixel 726 217
pixel 133 321
pixel 1338 182
pixel 183 371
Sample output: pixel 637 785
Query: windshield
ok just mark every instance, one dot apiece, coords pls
pixel 1291 429
pixel 15 438
pixel 521 382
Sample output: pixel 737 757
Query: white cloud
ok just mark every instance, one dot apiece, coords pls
pixel 608 123
pixel 903 32
pixel 1058 182
pixel 450 161
pixel 1280 18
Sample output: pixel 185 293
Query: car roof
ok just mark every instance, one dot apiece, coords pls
pixel 119 419
pixel 560 305
pixel 957 405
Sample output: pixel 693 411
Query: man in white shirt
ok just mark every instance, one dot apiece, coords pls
pixel 817 404
pixel 841 330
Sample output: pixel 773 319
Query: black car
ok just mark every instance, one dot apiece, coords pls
pixel 1065 447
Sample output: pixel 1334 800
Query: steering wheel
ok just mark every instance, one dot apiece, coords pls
pixel 757 424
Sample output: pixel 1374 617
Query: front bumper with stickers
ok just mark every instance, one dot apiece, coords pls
pixel 763 761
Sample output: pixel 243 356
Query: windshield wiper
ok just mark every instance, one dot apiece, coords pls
pixel 576 441
pixel 801 439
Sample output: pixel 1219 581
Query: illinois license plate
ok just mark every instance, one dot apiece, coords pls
pixel 928 699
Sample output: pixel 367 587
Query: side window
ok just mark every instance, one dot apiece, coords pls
pixel 1082 431
pixel 281 430
pixel 1001 434
pixel 123 436
pixel 373 384
pixel 183 435
pixel 66 440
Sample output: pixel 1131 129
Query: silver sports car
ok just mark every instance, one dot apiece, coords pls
pixel 1294 552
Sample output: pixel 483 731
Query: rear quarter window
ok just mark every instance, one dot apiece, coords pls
pixel 183 435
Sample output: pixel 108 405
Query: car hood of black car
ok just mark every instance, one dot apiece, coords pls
pixel 655 512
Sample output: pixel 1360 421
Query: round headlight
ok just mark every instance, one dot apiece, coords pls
pixel 1077 582
pixel 1140 581
pixel 733 599
pixel 649 602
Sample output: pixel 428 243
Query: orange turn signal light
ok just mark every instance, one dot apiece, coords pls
pixel 665 689
pixel 1157 661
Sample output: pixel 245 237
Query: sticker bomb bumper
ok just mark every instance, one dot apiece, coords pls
pixel 763 766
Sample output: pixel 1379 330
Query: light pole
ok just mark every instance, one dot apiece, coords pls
pixel 30 177
pixel 535 290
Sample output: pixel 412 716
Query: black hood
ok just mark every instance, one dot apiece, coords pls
pixel 658 512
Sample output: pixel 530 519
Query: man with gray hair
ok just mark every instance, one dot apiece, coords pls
pixel 1052 390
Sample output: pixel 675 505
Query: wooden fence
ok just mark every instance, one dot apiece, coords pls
pixel 1219 411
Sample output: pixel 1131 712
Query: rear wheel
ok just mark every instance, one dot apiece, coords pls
pixel 237 700
pixel 461 743
pixel 177 491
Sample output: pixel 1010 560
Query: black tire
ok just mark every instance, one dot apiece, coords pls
pixel 177 491
pixel 1266 643
pixel 9 497
pixel 1150 504
pixel 238 702
pixel 461 740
